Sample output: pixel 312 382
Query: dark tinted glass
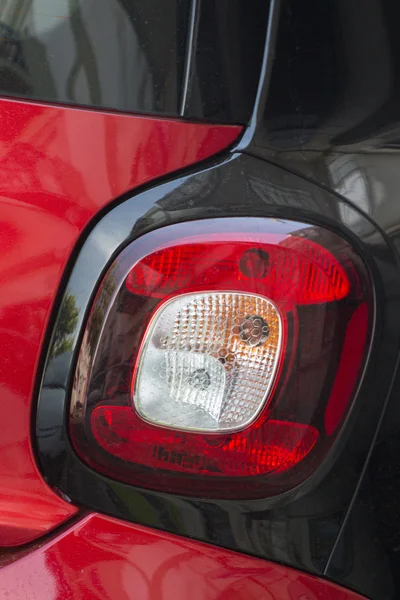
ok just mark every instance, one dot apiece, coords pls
pixel 121 54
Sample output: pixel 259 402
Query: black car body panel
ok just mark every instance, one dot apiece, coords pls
pixel 332 114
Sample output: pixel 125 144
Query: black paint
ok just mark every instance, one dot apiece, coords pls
pixel 333 114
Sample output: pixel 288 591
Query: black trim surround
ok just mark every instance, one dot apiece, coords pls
pixel 301 527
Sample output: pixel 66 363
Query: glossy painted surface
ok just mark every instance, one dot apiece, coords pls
pixel 58 168
pixel 332 114
pixel 335 78
pixel 102 559
pixel 301 527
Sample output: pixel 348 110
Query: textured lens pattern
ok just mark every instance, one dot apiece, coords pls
pixel 208 361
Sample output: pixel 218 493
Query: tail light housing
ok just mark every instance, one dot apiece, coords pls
pixel 220 358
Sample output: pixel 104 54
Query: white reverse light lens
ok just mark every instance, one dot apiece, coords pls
pixel 208 361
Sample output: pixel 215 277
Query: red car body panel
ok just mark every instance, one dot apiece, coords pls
pixel 101 558
pixel 59 167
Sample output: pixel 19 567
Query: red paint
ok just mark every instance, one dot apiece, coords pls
pixel 58 167
pixel 101 558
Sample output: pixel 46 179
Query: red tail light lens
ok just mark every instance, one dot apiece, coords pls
pixel 297 271
pixel 272 446
pixel 221 364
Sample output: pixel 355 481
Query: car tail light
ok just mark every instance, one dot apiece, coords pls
pixel 221 361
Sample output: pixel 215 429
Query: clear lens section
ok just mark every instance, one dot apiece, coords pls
pixel 208 361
